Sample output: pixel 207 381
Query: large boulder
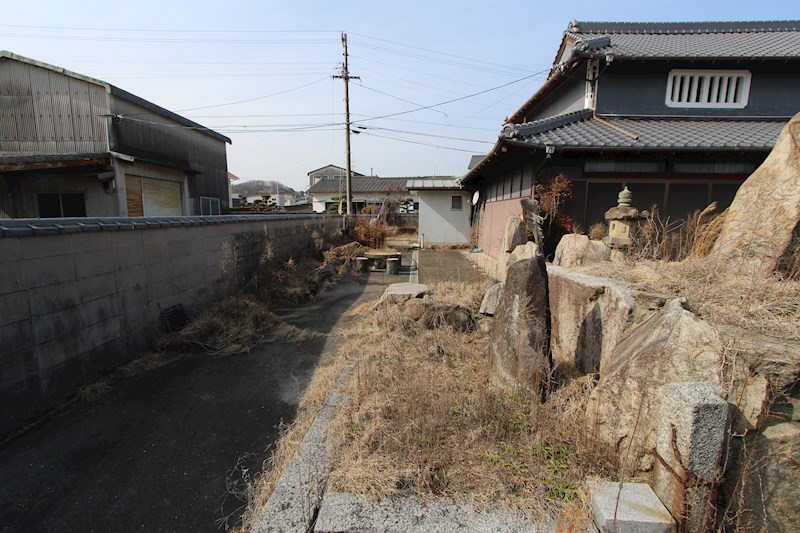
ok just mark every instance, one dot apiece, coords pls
pixel 589 317
pixel 762 485
pixel 578 250
pixel 519 347
pixel 529 250
pixel 777 359
pixel 761 230
pixel 672 346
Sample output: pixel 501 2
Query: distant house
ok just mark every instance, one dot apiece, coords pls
pixel 328 172
pixel 680 112
pixel 326 192
pixel 75 146
pixel 444 211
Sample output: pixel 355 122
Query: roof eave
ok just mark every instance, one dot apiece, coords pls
pixel 468 178
pixel 553 82
pixel 579 148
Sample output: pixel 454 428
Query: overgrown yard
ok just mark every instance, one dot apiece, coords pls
pixel 770 305
pixel 425 420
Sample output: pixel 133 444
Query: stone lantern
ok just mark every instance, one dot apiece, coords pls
pixel 620 223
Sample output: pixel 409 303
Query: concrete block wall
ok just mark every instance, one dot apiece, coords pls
pixel 79 298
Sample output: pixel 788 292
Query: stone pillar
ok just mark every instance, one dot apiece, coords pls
pixel 620 223
pixel 689 443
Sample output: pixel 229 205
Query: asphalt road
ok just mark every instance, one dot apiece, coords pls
pixel 160 450
pixel 165 450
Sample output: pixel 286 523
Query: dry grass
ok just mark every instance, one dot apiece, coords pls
pixel 433 425
pixel 236 325
pixel 770 305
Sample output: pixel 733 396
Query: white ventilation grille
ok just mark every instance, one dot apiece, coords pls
pixel 728 89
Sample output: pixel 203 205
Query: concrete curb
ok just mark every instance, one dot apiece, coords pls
pixel 354 512
pixel 295 501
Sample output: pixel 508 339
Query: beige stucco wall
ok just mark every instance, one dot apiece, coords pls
pixel 438 223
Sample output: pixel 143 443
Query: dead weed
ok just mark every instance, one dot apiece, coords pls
pixel 421 423
pixel 236 325
pixel 770 305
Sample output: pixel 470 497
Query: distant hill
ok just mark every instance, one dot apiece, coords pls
pixel 256 187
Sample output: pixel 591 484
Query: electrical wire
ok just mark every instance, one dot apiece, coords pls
pixel 256 98
pixel 393 96
pixel 437 52
pixel 419 143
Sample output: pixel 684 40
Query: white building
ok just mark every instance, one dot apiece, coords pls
pixel 444 211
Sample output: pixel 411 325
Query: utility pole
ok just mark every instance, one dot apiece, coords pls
pixel 345 75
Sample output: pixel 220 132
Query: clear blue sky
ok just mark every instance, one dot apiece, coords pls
pixel 409 54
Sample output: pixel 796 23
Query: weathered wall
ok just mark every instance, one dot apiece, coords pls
pixel 438 222
pixel 493 220
pixel 46 112
pixel 75 301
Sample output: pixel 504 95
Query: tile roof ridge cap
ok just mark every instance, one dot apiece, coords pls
pixel 582 28
pixel 536 126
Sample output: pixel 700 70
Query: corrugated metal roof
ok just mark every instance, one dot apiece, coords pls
pixel 696 40
pixel 581 131
pixel 359 184
pixel 434 183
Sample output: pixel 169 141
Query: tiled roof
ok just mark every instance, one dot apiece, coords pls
pixel 359 184
pixel 697 40
pixel 352 172
pixel 581 131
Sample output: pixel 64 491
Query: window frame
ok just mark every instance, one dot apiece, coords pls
pixel 60 195
pixel 211 200
pixel 460 202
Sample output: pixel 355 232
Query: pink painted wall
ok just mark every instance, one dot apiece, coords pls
pixel 494 216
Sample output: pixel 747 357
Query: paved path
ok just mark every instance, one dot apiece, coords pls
pixel 157 451
pixel 446 265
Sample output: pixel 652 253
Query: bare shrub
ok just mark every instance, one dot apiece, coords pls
pixel 372 235
pixel 665 239
pixel 236 325
pixel 598 231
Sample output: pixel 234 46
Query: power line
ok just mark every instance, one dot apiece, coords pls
pixel 472 67
pixel 454 99
pixel 395 97
pixel 441 53
pixel 256 98
pixel 156 30
pixel 165 40
pixel 419 143
pixel 424 134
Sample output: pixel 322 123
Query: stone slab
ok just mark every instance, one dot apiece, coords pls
pixel 353 512
pixel 633 509
pixel 400 292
